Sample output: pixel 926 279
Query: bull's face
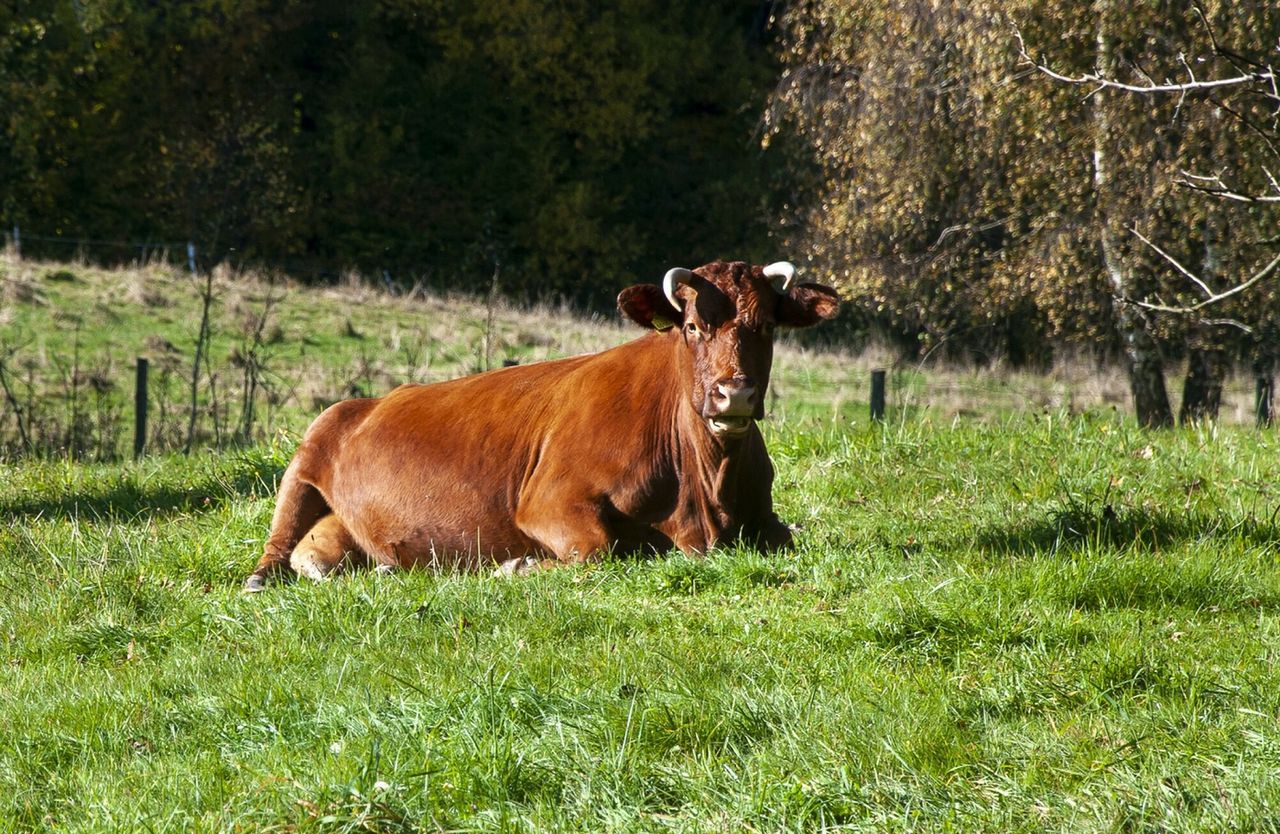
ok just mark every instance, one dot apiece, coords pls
pixel 727 313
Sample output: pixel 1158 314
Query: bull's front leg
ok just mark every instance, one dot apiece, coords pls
pixel 299 506
pixel 571 532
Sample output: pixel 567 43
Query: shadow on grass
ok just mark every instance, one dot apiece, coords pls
pixel 128 496
pixel 1082 527
pixel 1124 563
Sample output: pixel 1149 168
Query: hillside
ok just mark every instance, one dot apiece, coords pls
pixel 280 351
pixel 70 335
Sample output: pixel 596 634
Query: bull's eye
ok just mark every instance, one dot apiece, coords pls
pixel 766 329
pixel 692 329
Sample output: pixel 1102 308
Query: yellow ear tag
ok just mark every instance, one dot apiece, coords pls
pixel 662 325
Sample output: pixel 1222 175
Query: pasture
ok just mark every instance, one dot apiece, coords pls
pixel 1034 621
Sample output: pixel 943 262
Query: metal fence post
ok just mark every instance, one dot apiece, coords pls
pixel 877 394
pixel 140 409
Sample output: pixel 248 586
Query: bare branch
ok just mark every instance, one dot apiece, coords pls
pixel 1194 279
pixel 1226 323
pixel 1214 186
pixel 970 228
pixel 1181 88
pixel 1213 299
pixel 1265 76
pixel 1234 58
pixel 13 402
pixel 1266 135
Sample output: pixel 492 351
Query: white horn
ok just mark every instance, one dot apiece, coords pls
pixel 782 274
pixel 674 278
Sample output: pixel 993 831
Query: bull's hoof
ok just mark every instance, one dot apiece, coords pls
pixel 520 566
pixel 255 583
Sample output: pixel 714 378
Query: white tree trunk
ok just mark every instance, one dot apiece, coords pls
pixel 1142 354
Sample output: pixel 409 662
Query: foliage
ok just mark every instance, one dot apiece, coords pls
pixel 431 138
pixel 958 200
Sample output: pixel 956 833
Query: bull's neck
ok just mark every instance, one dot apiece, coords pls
pixel 710 467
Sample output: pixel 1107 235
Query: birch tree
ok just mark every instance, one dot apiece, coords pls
pixel 965 199
pixel 1221 92
pixel 1143 360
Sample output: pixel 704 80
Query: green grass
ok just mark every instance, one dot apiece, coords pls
pixel 70 335
pixel 1041 624
pixel 318 345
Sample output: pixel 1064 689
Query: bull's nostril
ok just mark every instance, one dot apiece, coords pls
pixel 733 397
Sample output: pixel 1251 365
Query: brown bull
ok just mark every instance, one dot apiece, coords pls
pixel 642 447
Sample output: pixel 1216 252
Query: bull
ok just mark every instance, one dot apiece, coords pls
pixel 644 447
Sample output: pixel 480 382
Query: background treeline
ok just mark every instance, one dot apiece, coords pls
pixel 575 143
pixel 968 203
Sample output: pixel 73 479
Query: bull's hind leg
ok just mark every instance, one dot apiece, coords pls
pixel 326 548
pixel 299 505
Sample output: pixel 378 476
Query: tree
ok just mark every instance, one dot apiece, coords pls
pixel 1115 207
pixel 964 199
pixel 579 144
pixel 1232 107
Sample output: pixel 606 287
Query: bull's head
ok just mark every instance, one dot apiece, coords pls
pixel 727 313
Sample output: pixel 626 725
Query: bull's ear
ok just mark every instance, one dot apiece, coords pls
pixel 805 305
pixel 647 306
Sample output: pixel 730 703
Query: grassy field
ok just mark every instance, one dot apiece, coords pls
pixel 1043 624
pixel 70 334
pixel 1034 621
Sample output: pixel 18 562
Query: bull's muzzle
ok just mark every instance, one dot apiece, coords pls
pixel 730 406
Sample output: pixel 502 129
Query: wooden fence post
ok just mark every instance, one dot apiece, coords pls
pixel 1266 385
pixel 17 241
pixel 877 394
pixel 191 257
pixel 140 409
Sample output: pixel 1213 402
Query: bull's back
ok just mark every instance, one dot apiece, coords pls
pixel 432 473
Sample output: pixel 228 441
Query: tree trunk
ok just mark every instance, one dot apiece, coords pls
pixel 1202 388
pixel 1207 355
pixel 1142 355
pixel 1146 376
pixel 1264 371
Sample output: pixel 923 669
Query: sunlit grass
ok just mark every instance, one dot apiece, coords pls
pixel 1047 624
